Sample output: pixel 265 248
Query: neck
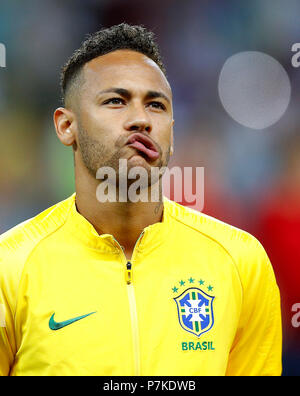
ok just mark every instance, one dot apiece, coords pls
pixel 124 220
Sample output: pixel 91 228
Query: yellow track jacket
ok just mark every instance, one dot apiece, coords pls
pixel 198 297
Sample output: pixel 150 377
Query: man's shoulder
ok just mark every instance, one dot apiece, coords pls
pixel 239 244
pixel 17 243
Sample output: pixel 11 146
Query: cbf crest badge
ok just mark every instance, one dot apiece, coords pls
pixel 195 311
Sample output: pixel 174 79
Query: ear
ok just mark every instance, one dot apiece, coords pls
pixel 172 140
pixel 64 122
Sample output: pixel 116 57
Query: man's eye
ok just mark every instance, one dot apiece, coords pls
pixel 157 105
pixel 114 101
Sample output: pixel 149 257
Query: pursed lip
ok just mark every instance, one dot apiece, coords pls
pixel 144 145
pixel 140 137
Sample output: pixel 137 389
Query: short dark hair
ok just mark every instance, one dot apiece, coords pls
pixel 123 36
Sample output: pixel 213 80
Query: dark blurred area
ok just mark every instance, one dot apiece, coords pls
pixel 252 177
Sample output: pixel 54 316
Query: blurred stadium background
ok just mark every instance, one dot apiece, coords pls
pixel 252 177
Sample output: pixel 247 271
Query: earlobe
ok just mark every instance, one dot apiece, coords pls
pixel 172 139
pixel 67 137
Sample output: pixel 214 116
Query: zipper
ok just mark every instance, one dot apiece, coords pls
pixel 128 273
pixel 135 329
pixel 132 304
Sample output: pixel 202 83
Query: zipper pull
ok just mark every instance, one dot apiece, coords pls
pixel 128 274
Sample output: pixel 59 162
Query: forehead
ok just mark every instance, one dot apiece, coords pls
pixel 124 69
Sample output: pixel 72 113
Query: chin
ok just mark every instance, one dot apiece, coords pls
pixel 139 160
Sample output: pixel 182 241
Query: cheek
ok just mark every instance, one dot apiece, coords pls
pixel 165 134
pixel 102 129
pixel 96 122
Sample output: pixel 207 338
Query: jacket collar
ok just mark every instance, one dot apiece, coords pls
pixel 81 229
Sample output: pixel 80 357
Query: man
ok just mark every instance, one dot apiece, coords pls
pixel 123 287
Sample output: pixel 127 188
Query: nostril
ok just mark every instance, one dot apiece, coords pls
pixel 140 128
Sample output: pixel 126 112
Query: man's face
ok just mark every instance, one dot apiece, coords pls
pixel 123 92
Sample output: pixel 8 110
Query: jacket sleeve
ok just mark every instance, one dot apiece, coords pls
pixel 7 338
pixel 6 355
pixel 257 347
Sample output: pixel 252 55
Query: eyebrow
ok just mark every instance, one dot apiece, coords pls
pixel 126 94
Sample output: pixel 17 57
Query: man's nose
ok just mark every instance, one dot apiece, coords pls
pixel 138 120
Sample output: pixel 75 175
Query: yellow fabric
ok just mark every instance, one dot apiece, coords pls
pixel 57 263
